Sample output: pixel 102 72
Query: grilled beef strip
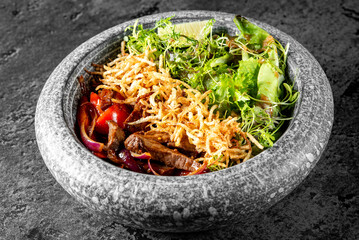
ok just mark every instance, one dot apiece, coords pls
pixel 165 138
pixel 136 114
pixel 139 143
pixel 111 154
pixel 157 167
pixel 105 95
pixel 116 135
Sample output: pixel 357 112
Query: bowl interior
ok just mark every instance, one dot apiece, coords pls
pixel 189 203
pixel 110 48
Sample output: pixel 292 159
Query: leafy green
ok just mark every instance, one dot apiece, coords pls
pixel 246 77
pixel 253 35
pixel 246 73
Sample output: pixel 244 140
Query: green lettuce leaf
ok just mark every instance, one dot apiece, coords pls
pixel 254 36
pixel 246 77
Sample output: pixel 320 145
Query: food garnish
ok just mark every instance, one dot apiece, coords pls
pixel 185 99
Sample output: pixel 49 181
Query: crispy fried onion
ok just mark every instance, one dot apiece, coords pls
pixel 176 108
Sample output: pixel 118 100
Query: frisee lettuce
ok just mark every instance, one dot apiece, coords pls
pixel 245 73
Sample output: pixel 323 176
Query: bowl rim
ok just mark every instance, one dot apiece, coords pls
pixel 176 19
pixel 315 97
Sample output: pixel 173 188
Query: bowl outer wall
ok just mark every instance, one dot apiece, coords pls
pixel 189 203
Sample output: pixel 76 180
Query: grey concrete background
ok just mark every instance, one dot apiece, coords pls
pixel 36 35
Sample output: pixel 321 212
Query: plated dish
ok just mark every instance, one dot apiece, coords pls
pixel 187 97
pixel 189 203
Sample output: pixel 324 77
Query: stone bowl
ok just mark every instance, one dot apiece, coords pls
pixel 190 203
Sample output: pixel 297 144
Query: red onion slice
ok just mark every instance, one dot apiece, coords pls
pixel 152 170
pixel 88 142
pixel 83 121
pixel 126 157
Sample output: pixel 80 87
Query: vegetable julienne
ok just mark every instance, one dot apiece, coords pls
pixel 226 106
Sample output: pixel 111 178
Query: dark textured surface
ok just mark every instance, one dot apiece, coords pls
pixel 185 204
pixel 37 35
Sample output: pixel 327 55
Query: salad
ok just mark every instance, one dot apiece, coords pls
pixel 187 99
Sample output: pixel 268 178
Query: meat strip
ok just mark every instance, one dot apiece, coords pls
pixel 158 168
pixel 111 154
pixel 161 137
pixel 139 143
pixel 105 95
pixel 116 135
pixel 135 115
pixel 165 138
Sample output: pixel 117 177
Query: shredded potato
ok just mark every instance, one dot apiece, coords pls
pixel 172 106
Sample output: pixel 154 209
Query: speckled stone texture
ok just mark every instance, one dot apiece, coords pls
pixel 181 204
pixel 37 35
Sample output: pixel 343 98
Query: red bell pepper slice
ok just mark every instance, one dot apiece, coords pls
pixel 100 154
pixel 96 101
pixel 117 113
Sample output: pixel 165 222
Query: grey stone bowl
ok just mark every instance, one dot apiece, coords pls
pixel 192 203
